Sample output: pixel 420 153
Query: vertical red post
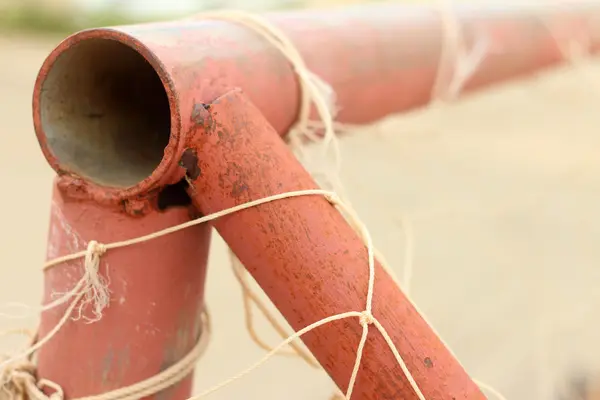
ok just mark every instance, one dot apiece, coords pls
pixel 156 293
pixel 309 261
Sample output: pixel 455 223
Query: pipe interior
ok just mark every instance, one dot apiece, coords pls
pixel 105 113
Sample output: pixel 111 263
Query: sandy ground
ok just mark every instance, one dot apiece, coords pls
pixel 501 191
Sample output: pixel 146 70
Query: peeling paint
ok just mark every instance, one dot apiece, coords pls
pixel 184 339
pixel 75 242
pixel 107 363
pixel 63 239
pixel 115 365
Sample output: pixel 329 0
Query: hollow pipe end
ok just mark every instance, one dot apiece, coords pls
pixel 106 114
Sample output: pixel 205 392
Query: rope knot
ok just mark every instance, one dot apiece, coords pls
pixel 97 249
pixel 16 379
pixel 366 318
pixel 96 287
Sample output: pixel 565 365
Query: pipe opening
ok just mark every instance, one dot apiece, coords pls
pixel 105 113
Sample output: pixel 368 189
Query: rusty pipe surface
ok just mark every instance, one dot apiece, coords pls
pixel 156 299
pixel 309 260
pixel 111 105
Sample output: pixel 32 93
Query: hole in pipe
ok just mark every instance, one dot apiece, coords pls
pixel 105 113
pixel 174 196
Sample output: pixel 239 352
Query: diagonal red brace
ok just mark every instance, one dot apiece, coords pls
pixel 308 260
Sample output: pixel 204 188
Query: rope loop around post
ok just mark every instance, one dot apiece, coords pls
pixel 19 381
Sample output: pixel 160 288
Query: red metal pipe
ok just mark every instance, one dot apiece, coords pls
pixel 156 290
pixel 308 260
pixel 114 110
pixel 122 87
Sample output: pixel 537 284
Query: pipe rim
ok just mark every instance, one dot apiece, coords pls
pixel 160 176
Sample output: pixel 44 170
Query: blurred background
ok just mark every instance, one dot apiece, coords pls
pixel 501 188
pixel 70 15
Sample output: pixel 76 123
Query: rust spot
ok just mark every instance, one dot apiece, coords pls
pixel 73 187
pixel 189 161
pixel 239 187
pixel 428 363
pixel 136 207
pixel 201 116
